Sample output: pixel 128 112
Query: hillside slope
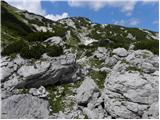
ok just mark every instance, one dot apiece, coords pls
pixel 74 68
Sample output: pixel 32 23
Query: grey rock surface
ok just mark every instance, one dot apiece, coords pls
pixel 86 91
pixel 24 106
pixel 40 92
pixel 121 52
pixel 130 95
pixel 56 40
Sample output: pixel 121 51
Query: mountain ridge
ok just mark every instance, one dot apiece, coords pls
pixel 76 69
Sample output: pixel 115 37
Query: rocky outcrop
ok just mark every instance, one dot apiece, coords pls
pixel 55 41
pixel 52 74
pixel 24 106
pixel 131 86
pixel 131 95
pixel 58 70
pixel 143 59
pixel 89 99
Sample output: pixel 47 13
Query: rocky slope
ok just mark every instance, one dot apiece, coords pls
pixel 81 69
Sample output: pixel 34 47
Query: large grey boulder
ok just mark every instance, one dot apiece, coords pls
pixel 29 71
pixel 24 106
pixel 89 99
pixel 47 74
pixel 131 95
pixel 20 73
pixel 121 52
pixel 85 91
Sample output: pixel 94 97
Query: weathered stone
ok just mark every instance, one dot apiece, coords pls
pixel 40 92
pixel 55 41
pixel 129 95
pixel 121 52
pixel 24 106
pixel 86 91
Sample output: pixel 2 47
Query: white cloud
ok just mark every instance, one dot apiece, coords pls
pixel 130 22
pixel 120 22
pixel 156 22
pixel 125 6
pixel 33 6
pixel 57 17
pixel 149 1
pixel 133 21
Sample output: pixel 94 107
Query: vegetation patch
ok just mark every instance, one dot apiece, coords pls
pixel 95 62
pixel 151 45
pixel 73 40
pixel 34 51
pixel 14 47
pixel 99 77
pixel 57 96
pixel 39 36
pixel 54 50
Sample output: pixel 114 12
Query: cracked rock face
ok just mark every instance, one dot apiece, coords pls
pixel 54 73
pixel 131 95
pixel 24 106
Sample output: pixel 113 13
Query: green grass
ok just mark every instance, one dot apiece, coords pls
pixel 95 62
pixel 99 77
pixel 73 40
pixel 13 21
pixel 58 103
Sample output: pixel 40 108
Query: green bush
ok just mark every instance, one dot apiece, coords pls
pixel 151 45
pixel 34 51
pixel 39 36
pixel 54 50
pixel 14 47
pixel 59 30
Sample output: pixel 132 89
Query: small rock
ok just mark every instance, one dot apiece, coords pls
pixel 55 41
pixel 121 52
pixel 40 92
pixel 148 68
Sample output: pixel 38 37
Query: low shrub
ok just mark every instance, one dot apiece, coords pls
pixel 151 45
pixel 34 51
pixel 59 30
pixel 54 50
pixel 39 36
pixel 14 47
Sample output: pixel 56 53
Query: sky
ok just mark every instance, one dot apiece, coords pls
pixel 130 13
